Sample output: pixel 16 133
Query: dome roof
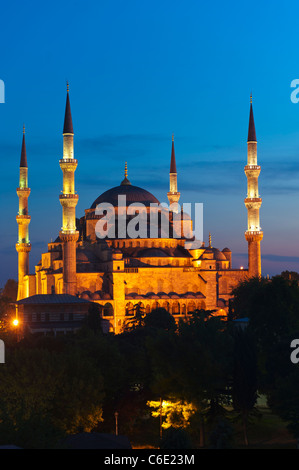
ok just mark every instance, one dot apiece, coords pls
pixel 215 254
pixel 152 253
pixel 133 194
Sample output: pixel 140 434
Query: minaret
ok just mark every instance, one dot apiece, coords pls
pixel 23 245
pixel 69 199
pixel 253 202
pixel 173 194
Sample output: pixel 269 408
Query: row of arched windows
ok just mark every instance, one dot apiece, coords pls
pixel 175 307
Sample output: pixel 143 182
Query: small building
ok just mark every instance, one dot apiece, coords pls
pixel 53 313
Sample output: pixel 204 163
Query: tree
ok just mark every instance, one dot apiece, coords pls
pixel 8 295
pixel 176 438
pixel 244 388
pixel 221 436
pixel 290 275
pixel 62 387
pixel 193 365
pixel 93 319
pixel 272 307
pixel 160 318
pixel 137 320
pixel 10 290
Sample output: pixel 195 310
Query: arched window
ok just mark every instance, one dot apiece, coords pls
pixel 166 306
pixel 175 308
pixel 191 306
pixel 129 309
pixel 155 305
pixel 148 309
pixel 108 310
pixel 201 305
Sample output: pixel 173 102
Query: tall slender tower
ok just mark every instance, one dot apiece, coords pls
pixel 173 194
pixel 23 245
pixel 253 202
pixel 69 199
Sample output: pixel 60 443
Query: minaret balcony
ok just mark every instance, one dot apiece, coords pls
pixel 23 247
pixel 254 235
pixel 253 203
pixel 68 164
pixel 252 171
pixel 23 192
pixel 252 167
pixel 69 196
pixel 68 200
pixel 253 199
pixel 23 219
pixel 68 160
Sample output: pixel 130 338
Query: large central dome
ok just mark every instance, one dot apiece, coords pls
pixel 133 194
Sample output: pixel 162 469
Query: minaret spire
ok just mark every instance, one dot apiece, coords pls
pixel 173 194
pixel 251 127
pixel 69 199
pixel 253 201
pixel 23 162
pixel 172 160
pixel 125 180
pixel 23 245
pixel 68 122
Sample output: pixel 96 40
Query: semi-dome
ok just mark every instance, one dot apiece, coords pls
pixel 212 253
pixel 133 195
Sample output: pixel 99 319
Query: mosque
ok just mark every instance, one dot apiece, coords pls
pixel 95 259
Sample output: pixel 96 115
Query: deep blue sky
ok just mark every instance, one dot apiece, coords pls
pixel 140 71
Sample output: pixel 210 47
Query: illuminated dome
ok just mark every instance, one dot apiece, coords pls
pixel 133 194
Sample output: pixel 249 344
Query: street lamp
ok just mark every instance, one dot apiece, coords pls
pixel 116 423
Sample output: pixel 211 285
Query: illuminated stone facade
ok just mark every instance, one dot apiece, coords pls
pixel 120 272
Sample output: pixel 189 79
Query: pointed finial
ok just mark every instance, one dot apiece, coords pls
pixel 251 127
pixel 172 159
pixel 125 180
pixel 67 86
pixel 23 163
pixel 210 240
pixel 68 122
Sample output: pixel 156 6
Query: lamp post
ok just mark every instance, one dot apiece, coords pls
pixel 16 325
pixel 116 423
pixel 161 406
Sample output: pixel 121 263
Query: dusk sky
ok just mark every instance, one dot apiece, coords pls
pixel 138 72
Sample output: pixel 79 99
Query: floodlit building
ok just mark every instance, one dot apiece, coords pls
pixel 106 256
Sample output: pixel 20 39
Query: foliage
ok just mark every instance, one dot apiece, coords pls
pixel 8 295
pixel 93 319
pixel 35 432
pixel 244 387
pixel 64 387
pixel 176 413
pixel 10 290
pixel 272 307
pixel 221 437
pixel 175 438
pixel 137 320
pixel 160 318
